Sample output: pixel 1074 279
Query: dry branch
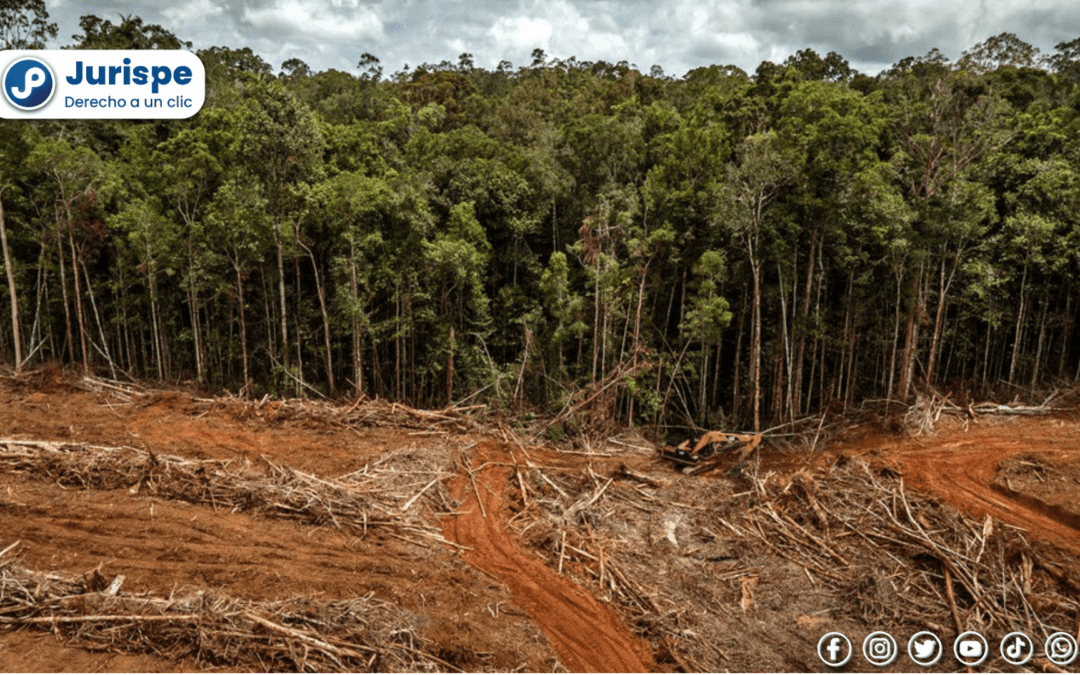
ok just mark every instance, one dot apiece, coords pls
pixel 859 535
pixel 382 497
pixel 922 416
pixel 215 629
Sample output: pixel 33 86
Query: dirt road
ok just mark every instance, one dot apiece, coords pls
pixel 959 467
pixel 586 634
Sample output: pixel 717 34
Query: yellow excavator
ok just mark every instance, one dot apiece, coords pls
pixel 710 445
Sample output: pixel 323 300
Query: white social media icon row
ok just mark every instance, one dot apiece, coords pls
pixel 925 648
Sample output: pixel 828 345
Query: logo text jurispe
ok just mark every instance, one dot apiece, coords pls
pixel 138 75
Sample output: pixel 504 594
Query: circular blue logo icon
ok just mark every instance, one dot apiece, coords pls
pixel 29 83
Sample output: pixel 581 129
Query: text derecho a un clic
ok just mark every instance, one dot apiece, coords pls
pixel 155 76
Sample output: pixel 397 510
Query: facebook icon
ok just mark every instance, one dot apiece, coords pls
pixel 834 649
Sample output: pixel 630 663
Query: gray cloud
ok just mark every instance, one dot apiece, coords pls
pixel 677 34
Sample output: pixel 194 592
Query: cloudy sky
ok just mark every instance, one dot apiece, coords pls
pixel 677 35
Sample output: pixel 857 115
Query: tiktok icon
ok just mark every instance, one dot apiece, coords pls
pixel 29 83
pixel 1017 648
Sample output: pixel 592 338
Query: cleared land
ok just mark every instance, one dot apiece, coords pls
pixel 295 535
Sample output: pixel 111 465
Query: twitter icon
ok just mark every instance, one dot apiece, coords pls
pixel 924 648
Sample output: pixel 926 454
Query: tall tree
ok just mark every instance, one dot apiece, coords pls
pixel 130 33
pixel 282 142
pixel 1004 49
pixel 24 24
pixel 76 174
pixel 945 123
pixel 16 330
pixel 192 169
pixel 754 181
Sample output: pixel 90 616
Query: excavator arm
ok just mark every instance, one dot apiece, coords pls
pixel 709 444
pixel 727 441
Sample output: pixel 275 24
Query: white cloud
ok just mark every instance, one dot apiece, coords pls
pixel 514 33
pixel 191 12
pixel 590 32
pixel 676 34
pixel 344 22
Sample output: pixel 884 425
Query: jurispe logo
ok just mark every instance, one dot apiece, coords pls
pixel 29 83
pixel 101 84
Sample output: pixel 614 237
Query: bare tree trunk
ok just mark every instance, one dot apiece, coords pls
pixel 907 357
pixel 298 313
pixel 911 340
pixel 788 401
pixel 40 288
pixel 124 338
pixel 358 371
pixel 714 398
pixel 596 321
pixel 604 336
pixel 1039 345
pixel 1066 332
pixel 939 318
pixel 853 339
pixel 755 344
pixel 450 370
pixel 931 359
pixel 193 302
pixel 898 272
pixel 399 347
pixel 326 318
pixel 412 369
pixel 97 318
pixel 737 379
pixel 800 357
pixel 281 293
pixel 78 300
pixel 1020 317
pixel 843 375
pixel 11 290
pixel 702 405
pixel 155 323
pixel 68 336
pixel 243 329
pixel 816 347
pixel 268 316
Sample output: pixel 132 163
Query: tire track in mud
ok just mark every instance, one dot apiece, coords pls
pixel 962 476
pixel 161 544
pixel 960 467
pixel 585 633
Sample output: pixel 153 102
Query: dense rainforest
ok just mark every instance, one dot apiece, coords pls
pixel 719 249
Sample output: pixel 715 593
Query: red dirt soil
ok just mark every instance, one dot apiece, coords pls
pixel 161 545
pixel 960 466
pixel 471 620
pixel 586 634
pixel 36 652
